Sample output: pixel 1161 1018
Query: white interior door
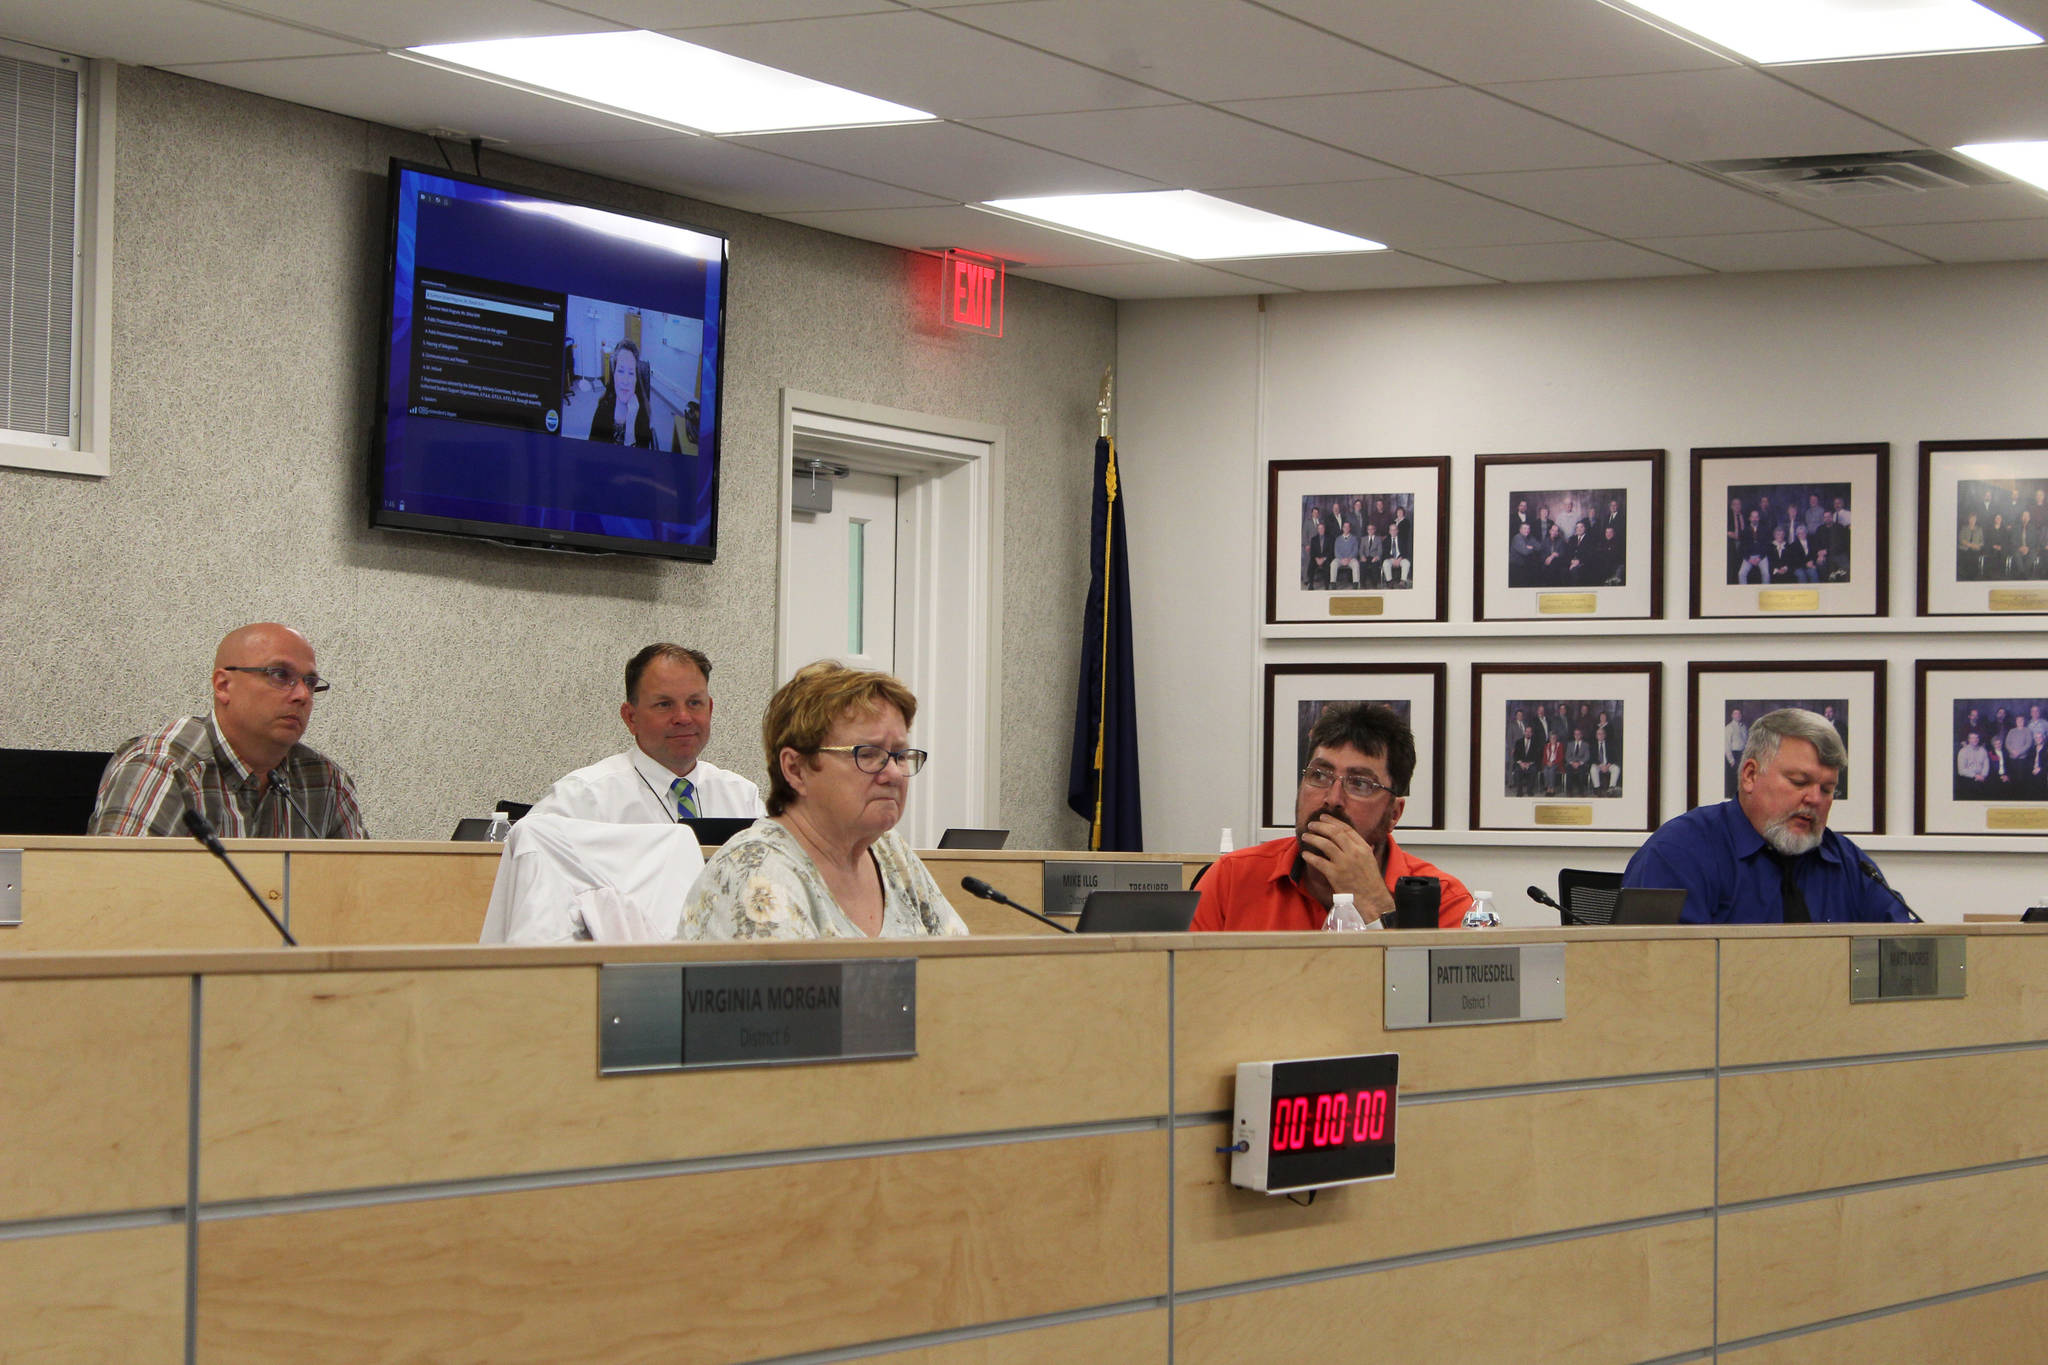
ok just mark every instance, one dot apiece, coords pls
pixel 842 603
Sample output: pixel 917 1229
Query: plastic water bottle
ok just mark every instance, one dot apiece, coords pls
pixel 1228 843
pixel 501 826
pixel 1481 915
pixel 1343 917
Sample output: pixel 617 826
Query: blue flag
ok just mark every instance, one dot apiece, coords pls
pixel 1102 780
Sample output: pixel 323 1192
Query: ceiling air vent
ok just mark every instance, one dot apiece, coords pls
pixel 1854 175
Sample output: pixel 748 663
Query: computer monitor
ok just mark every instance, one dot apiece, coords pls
pixel 974 838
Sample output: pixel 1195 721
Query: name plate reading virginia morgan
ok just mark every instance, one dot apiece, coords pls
pixel 675 1016
pixel 2018 599
pixel 1788 599
pixel 1564 815
pixel 1358 606
pixel 1566 603
pixel 2016 817
pixel 1435 987
pixel 1925 967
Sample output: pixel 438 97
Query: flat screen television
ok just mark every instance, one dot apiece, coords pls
pixel 514 322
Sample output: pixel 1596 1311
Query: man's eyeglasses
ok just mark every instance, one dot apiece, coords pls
pixel 282 678
pixel 873 758
pixel 1358 786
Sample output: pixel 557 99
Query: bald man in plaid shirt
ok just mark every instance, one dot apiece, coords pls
pixel 243 765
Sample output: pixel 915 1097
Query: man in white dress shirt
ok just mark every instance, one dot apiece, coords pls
pixel 661 778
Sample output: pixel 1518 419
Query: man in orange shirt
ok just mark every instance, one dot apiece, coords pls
pixel 1361 758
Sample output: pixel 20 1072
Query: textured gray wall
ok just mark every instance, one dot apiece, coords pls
pixel 247 264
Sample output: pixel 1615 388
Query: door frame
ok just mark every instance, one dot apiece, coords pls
pixel 949 575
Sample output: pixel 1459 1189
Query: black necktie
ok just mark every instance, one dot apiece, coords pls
pixel 1795 903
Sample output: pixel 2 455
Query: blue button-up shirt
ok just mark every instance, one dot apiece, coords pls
pixel 1729 877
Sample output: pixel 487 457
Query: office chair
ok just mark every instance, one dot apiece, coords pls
pixel 1587 897
pixel 49 791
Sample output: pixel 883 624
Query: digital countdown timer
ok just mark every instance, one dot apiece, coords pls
pixel 1314 1121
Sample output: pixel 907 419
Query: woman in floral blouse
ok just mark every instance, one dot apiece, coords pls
pixel 828 862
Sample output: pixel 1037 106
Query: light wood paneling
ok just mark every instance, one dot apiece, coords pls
pixel 2007 1326
pixel 122 894
pixel 986 919
pixel 1125 1339
pixel 1787 999
pixel 94 1298
pixel 1624 1297
pixel 432 895
pixel 1471 1171
pixel 469 1073
pixel 1631 1007
pixel 94 1095
pixel 1793 1264
pixel 1785 1132
pixel 722 1266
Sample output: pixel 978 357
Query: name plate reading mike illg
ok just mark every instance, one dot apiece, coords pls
pixel 672 1016
pixel 1435 987
pixel 1924 967
pixel 1067 885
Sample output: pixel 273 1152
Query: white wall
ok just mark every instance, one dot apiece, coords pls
pixel 1215 388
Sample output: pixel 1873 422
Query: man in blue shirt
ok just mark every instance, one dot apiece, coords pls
pixel 1768 856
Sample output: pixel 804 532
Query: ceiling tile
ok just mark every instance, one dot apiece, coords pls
pixel 1477 41
pixel 2008 241
pixel 1188 146
pixel 1205 50
pixel 160 32
pixel 679 14
pixel 1411 213
pixel 1701 115
pixel 1443 131
pixel 1641 201
pixel 720 173
pixel 409 94
pixel 1371 270
pixel 1564 261
pixel 948 160
pixel 1021 244
pixel 1148 280
pixel 407 23
pixel 927 62
pixel 1822 249
pixel 1942 101
pixel 1982 203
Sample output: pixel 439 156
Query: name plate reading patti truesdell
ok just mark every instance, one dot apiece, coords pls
pixel 1566 603
pixel 1925 967
pixel 673 1016
pixel 1358 606
pixel 1788 599
pixel 2017 599
pixel 2016 817
pixel 1067 885
pixel 1437 987
pixel 1564 815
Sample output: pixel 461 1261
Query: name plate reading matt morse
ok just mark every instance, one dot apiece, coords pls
pixel 1067 885
pixel 671 1016
pixel 1925 967
pixel 1434 987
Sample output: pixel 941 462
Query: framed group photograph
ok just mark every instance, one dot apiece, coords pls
pixel 1357 541
pixel 1725 699
pixel 1984 527
pixel 1569 535
pixel 1565 747
pixel 1799 531
pixel 1298 694
pixel 1981 747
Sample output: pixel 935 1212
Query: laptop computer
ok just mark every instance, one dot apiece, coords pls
pixel 974 838
pixel 1137 912
pixel 1649 905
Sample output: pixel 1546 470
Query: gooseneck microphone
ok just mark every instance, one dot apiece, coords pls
pixel 976 886
pixel 1536 893
pixel 202 830
pixel 1870 871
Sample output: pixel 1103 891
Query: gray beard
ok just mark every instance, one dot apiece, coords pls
pixel 1780 836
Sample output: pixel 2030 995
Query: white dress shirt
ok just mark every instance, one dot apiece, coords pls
pixel 566 881
pixel 632 789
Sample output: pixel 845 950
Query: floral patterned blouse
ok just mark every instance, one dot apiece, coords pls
pixel 762 884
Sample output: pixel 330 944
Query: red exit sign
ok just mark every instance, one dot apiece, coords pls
pixel 971 292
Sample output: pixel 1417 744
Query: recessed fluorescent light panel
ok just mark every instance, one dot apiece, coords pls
pixel 2026 161
pixel 1196 227
pixel 673 81
pixel 1834 30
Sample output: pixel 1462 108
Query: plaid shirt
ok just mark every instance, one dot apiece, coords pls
pixel 151 780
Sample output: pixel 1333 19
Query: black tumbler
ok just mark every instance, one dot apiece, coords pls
pixel 1416 901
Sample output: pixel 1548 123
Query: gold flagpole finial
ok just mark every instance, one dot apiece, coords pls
pixel 1102 404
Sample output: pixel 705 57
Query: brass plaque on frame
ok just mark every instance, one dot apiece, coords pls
pixel 1358 606
pixel 1788 599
